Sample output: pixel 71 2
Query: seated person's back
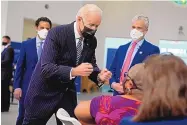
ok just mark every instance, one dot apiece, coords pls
pixel 165 91
pixel 109 110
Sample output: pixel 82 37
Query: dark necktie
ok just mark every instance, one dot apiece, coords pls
pixel 79 50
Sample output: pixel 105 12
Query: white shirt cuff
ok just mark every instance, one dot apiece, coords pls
pixel 71 77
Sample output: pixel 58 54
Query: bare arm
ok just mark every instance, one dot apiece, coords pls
pixel 82 112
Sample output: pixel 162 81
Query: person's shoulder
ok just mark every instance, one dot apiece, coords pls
pixel 61 28
pixel 103 97
pixel 10 47
pixel 106 98
pixel 124 46
pixel 150 44
pixel 29 41
pixel 118 97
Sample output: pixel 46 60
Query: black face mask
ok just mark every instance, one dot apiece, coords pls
pixel 4 43
pixel 88 33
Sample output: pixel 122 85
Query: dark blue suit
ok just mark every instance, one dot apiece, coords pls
pixel 24 69
pixel 143 52
pixel 51 78
pixel 7 58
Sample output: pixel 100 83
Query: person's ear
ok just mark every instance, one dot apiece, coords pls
pixel 36 28
pixel 79 18
pixel 129 85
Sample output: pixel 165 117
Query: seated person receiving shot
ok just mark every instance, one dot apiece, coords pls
pixel 109 110
pixel 165 93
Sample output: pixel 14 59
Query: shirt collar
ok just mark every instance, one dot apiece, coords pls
pixel 77 35
pixel 7 45
pixel 140 42
pixel 38 40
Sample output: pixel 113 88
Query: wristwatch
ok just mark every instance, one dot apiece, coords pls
pixel 100 82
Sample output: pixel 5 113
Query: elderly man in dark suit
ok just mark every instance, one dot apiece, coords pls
pixel 69 51
pixel 7 58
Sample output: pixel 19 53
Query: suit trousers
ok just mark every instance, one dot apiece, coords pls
pixel 21 112
pixel 68 102
pixel 5 94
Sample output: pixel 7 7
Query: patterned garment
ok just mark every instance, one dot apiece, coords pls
pixel 109 110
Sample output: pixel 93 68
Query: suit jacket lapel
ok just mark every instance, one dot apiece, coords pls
pixel 4 50
pixel 33 49
pixel 72 43
pixel 140 52
pixel 123 55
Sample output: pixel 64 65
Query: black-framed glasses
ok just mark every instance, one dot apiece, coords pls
pixel 128 78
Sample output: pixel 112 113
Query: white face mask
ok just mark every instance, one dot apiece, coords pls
pixel 136 34
pixel 43 33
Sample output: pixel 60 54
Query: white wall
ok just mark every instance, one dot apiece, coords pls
pixel 58 12
pixel 165 18
pixel 4 10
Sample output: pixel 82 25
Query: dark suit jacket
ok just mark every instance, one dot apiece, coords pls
pixel 25 66
pixel 7 58
pixel 51 76
pixel 143 52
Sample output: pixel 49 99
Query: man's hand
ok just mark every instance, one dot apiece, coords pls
pixel 84 69
pixel 118 87
pixel 105 76
pixel 18 93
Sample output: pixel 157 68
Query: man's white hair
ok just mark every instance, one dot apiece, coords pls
pixel 142 17
pixel 88 8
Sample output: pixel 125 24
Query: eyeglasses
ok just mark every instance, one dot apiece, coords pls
pixel 89 25
pixel 128 78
